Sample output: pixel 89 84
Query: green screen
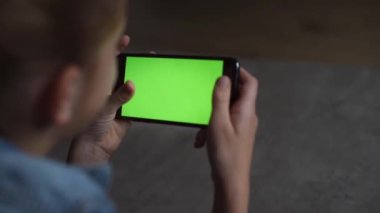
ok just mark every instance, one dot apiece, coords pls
pixel 172 89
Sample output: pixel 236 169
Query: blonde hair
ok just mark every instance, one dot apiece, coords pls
pixel 64 29
pixel 68 31
pixel 37 37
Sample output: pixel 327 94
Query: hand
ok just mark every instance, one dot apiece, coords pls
pixel 230 141
pixel 97 143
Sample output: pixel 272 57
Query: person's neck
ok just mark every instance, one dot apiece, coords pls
pixel 38 144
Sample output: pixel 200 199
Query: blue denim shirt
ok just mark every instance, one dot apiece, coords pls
pixel 32 184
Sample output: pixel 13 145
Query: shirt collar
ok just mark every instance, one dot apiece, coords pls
pixel 6 145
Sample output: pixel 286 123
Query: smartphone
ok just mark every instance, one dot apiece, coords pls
pixel 174 89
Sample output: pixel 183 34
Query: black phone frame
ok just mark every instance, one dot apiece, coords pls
pixel 231 69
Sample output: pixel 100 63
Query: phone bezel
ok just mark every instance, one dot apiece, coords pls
pixel 231 69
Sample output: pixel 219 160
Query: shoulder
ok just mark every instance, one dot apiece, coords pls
pixel 31 183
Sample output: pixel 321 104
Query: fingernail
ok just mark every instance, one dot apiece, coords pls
pixel 224 82
pixel 128 86
pixel 131 84
pixel 125 88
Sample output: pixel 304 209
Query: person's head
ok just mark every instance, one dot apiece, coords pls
pixel 57 62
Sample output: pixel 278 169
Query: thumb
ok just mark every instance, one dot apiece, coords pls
pixel 120 96
pixel 221 101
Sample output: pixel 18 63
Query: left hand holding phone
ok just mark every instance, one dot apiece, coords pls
pixel 102 138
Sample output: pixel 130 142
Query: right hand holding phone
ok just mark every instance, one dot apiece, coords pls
pixel 230 141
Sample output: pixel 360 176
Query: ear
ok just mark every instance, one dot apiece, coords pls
pixel 62 96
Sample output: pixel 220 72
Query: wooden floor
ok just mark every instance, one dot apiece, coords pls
pixel 337 31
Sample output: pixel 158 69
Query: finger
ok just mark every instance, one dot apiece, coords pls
pixel 122 127
pixel 121 96
pixel 221 101
pixel 200 139
pixel 248 89
pixel 245 106
pixel 123 44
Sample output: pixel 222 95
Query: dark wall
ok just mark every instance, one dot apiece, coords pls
pixel 338 31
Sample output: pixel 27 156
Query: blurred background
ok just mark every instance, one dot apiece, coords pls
pixel 318 145
pixel 334 31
